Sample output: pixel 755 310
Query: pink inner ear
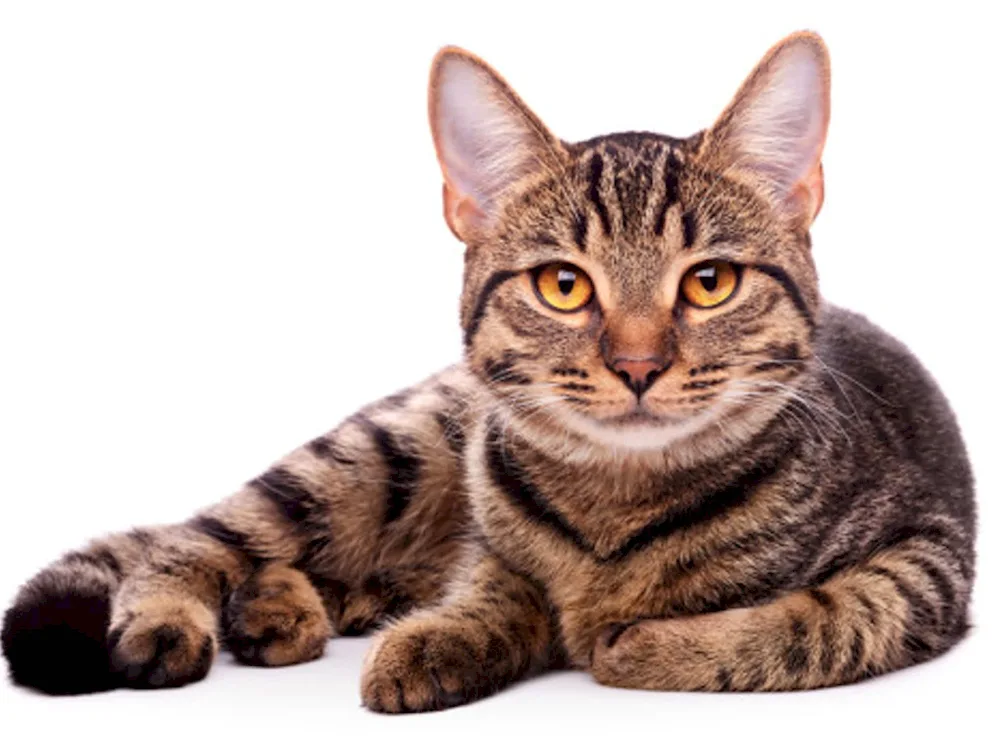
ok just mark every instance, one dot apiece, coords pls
pixel 778 125
pixel 461 213
pixel 486 139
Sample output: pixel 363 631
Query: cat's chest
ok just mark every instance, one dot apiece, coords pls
pixel 592 576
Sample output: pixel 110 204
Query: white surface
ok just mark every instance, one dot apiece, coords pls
pixel 934 705
pixel 220 232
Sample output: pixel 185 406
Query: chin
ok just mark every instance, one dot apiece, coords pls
pixel 641 431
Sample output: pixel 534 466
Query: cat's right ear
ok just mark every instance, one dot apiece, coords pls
pixel 486 140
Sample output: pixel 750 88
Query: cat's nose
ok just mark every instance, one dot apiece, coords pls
pixel 639 373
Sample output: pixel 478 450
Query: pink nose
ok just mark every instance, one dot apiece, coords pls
pixel 639 374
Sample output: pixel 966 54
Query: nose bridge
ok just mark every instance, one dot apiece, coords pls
pixel 636 349
pixel 633 337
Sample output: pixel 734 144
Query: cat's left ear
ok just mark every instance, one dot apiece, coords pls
pixel 774 129
pixel 486 139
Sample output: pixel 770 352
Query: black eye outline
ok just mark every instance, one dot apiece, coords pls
pixel 737 271
pixel 539 270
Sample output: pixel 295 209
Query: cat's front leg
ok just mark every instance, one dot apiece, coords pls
pixel 901 607
pixel 494 629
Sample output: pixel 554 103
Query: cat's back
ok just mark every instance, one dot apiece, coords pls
pixel 889 398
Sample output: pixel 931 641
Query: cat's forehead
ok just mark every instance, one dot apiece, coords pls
pixel 634 203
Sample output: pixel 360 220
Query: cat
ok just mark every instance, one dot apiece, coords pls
pixel 664 459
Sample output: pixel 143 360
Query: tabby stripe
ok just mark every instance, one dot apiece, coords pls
pixel 920 609
pixel 697 385
pixel 857 651
pixel 768 366
pixel 827 653
pixel 403 469
pixel 580 230
pixel 104 558
pixel 452 431
pixel 544 238
pixel 288 493
pixel 479 309
pixel 670 172
pixel 324 447
pixel 870 612
pixel 797 655
pixel 790 287
pixel 689 223
pixel 582 387
pixel 621 193
pixel 508 475
pixel 935 535
pixel 707 509
pixel 594 191
pixel 503 371
pixel 835 565
pixel 942 586
pixel 714 367
pixel 228 536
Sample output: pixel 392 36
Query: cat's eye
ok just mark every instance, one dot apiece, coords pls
pixel 563 287
pixel 709 284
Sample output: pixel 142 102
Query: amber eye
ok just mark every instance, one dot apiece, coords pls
pixel 563 287
pixel 709 284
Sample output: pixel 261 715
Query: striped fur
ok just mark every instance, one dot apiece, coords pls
pixel 791 508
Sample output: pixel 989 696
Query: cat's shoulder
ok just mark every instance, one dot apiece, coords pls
pixel 850 344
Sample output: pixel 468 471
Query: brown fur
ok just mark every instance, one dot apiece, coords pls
pixel 791 508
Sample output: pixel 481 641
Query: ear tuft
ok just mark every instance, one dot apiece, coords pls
pixel 486 139
pixel 774 129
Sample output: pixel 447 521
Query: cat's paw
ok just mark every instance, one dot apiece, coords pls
pixel 666 654
pixel 277 618
pixel 619 649
pixel 421 665
pixel 163 642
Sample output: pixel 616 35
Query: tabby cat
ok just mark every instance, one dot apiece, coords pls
pixel 664 459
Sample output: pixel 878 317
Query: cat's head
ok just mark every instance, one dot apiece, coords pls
pixel 636 288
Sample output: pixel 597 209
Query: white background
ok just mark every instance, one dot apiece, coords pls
pixel 220 232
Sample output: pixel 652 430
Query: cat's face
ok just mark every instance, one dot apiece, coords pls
pixel 636 288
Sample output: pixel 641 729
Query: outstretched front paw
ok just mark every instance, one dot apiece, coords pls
pixel 425 665
pixel 164 642
pixel 277 618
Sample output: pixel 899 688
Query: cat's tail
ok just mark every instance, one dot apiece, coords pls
pixel 55 634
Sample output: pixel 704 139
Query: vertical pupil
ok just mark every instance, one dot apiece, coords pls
pixel 566 280
pixel 708 277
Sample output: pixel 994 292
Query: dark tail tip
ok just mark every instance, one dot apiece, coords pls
pixel 55 634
